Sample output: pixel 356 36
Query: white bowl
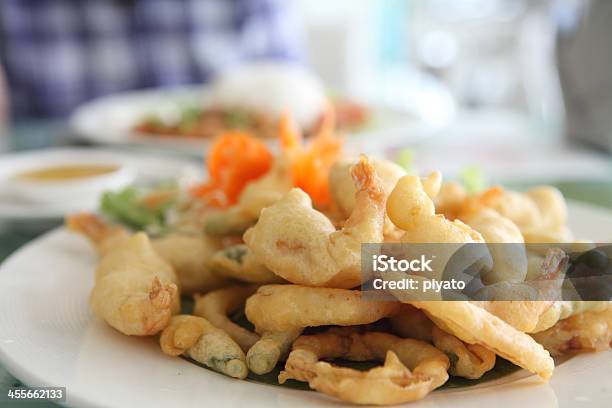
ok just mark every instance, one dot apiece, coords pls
pixel 79 189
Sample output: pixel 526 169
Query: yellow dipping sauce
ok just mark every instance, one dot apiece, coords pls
pixel 64 173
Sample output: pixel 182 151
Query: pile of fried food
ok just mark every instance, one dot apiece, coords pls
pixel 279 237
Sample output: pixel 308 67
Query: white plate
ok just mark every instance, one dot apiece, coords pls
pixel 48 337
pixel 110 119
pixel 147 168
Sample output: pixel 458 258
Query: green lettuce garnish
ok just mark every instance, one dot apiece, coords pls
pixel 129 207
pixel 473 179
pixel 405 159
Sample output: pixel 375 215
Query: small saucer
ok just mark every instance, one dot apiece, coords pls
pixel 27 201
pixel 55 177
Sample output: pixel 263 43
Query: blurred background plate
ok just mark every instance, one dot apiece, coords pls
pixel 110 120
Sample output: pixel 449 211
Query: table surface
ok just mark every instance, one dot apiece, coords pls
pixel 41 134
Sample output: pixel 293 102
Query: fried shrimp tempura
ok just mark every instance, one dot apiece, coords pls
pixel 509 261
pixel 561 310
pixel 411 208
pixel 588 331
pixel 302 245
pixel 526 315
pixel 411 370
pixel 474 325
pixel 278 308
pixel 342 186
pixel 135 290
pixel 195 337
pixel 215 307
pixel 540 213
pixel 186 254
pixel 270 349
pixel 467 360
pixel 237 262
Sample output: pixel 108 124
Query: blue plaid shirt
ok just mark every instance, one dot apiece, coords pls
pixel 59 53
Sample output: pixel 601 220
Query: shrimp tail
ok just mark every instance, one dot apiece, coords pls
pixel 366 223
pixel 89 225
pixel 161 296
pixel 365 178
pixel 100 233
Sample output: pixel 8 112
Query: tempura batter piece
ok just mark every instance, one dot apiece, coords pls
pixel 215 307
pixel 540 213
pixel 278 308
pixel 135 290
pixel 231 222
pixel 410 322
pixel 467 360
pixel 561 310
pixel 588 331
pixel 474 325
pixel 239 263
pixel 523 315
pixel 509 259
pixel 302 245
pixel 186 254
pixel 197 338
pixel 411 370
pixel 410 208
pixel 545 288
pixel 450 200
pixel 270 349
